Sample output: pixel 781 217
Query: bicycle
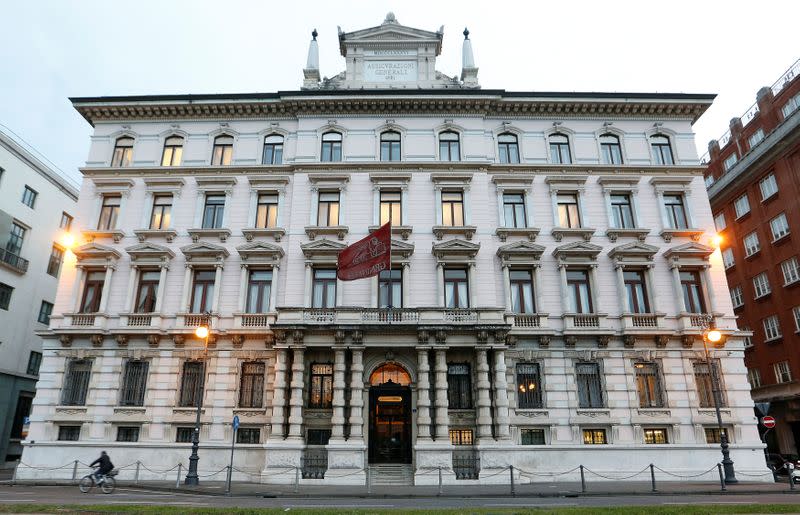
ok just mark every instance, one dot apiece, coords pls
pixel 106 482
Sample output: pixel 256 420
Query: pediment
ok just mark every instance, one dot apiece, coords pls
pixel 633 249
pixel 453 248
pixel 402 249
pixel 94 250
pixel 322 247
pixel 689 250
pixel 204 249
pixel 147 249
pixel 579 249
pixel 521 250
pixel 260 249
pixel 390 31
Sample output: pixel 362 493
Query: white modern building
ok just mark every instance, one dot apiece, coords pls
pixel 551 269
pixel 37 204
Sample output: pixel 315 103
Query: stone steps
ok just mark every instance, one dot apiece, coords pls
pixel 394 475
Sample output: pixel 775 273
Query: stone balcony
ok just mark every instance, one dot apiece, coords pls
pixel 140 320
pixel 643 323
pixel 528 323
pixel 85 320
pixel 355 316
pixel 582 323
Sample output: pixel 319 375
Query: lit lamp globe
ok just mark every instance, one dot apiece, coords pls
pixel 68 240
pixel 201 332
pixel 717 240
pixel 714 336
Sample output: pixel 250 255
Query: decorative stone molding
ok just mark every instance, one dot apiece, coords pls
pixel 178 340
pixel 95 234
pixel 544 341
pixel 482 336
pixel 559 233
pixel 167 234
pixel 122 340
pixel 96 340
pixel 153 340
pixel 441 336
pixel 237 340
pixel 629 341
pixel 312 231
pixel 687 341
pixel 297 337
pixel 532 413
pixel 280 336
pixel 570 341
pixel 357 337
pixel 65 340
pixel 403 230
pixel 693 234
pixel 468 231
pixel 603 340
pixel 455 251
pixel 422 337
pixel 662 340
pixel 529 232
pixel 275 232
pixel 511 340
pixel 198 233
pixel 338 336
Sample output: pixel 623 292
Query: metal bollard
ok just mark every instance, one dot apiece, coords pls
pixel 440 480
pixel 75 470
pixel 511 469
pixel 178 479
pixel 791 481
pixel 369 481
pixel 583 481
pixel 296 479
pixel 653 477
pixel 14 475
pixel 136 478
pixel 721 477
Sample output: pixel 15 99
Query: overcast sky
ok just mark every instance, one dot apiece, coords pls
pixel 50 50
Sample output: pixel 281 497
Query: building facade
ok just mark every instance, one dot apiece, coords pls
pixel 36 209
pixel 754 180
pixel 550 271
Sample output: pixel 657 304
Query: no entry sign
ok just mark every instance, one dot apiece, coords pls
pixel 768 422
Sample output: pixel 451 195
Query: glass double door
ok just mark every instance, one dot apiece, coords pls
pixel 389 424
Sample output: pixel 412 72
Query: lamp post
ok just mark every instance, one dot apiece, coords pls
pixel 711 334
pixel 192 478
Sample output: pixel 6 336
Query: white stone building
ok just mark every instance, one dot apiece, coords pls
pixel 551 255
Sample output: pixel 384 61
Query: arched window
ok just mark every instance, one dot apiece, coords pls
pixel 559 149
pixel 331 147
pixel 273 150
pixel 173 151
pixel 390 146
pixel 390 372
pixel 508 148
pixel 223 150
pixel 611 149
pixel 662 150
pixel 123 152
pixel 449 146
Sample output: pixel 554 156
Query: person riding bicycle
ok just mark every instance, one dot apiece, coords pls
pixel 104 466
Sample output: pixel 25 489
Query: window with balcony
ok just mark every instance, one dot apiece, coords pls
pixel 15 239
pixel 331 147
pixel 328 208
pixel 532 436
pixel 259 289
pixel 719 221
pixel 568 210
pixel 737 296
pixel 783 374
pixel 324 288
pixel 662 150
pixel 529 386
pixel 751 244
pixel 5 296
pixel 741 205
pixel 453 208
pixel 449 146
pixel 29 196
pixel 730 161
pixel 521 282
pixel 161 215
pixel 321 392
pixel 655 435
pixel 134 383
pixel 514 210
pixel 648 385
pixel 704 380
pixel 273 150
pixel 456 288
pixel 123 152
pixel 676 211
pixel 390 146
pixel 76 382
pixel 147 291
pixel 459 386
pixel 192 385
pixel 772 328
pixel 590 388
pixel 636 289
pixel 92 291
pixel 768 187
pixel 267 211
pixel 594 437
pixel 391 202
pixel 611 149
pixel 754 377
pixel 173 151
pixel 390 288
pixel 213 211
pixel 779 226
pixel 55 261
pixel 727 258
pixel 45 310
pixel 622 211
pixel 755 138
pixel 692 292
pixel 66 222
pixel 222 154
pixel 109 212
pixel 559 149
pixel 508 148
pixel 791 271
pixel 579 291
pixel 34 362
pixel 251 385
pixel 202 291
pixel 761 285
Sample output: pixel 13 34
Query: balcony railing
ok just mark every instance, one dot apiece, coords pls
pixel 14 261
pixel 255 320
pixel 460 316
pixel 140 320
pixel 195 319
pixel 580 320
pixel 389 316
pixel 644 320
pixel 83 320
pixel 320 316
pixel 527 320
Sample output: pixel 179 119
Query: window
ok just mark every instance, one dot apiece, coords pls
pixel 21 412
pixel 755 138
pixel 328 209
pixel 772 328
pixel 173 151
pixel 213 211
pixel 123 152
pixel 622 211
pixel 76 382
pixel 134 383
pixel 514 210
pixel 610 149
pixel 532 437
pixel 779 226
pixel 248 435
pixel 761 285
pixel 636 289
pixel 69 433
pixel 162 210
pixel 461 437
pixel 453 208
pixel 5 295
pixel 568 213
pixel 324 288
pixel 331 147
pixel 459 386
pixel 754 377
pixel 719 221
pixel 590 391
pixel 676 211
pixel 737 296
pixel 655 435
pixel 267 211
pixel 730 161
pixel 449 149
pixel 15 239
pixel 223 151
pixel 56 258
pixel 648 385
pixel 508 148
pixel 790 106
pixel 705 384
pixel 456 288
pixel 708 180
pixel 521 282
pixel 147 291
pixel 45 310
pixel 714 434
pixel 529 386
pixel 742 206
pixel 321 394
pixel 662 150
pixel 727 258
pixel 66 222
pixel 559 149
pixel 29 196
pixel 751 244
pixel 579 291
pixel 391 207
pixel 748 340
pixel 390 288
pixel 318 436
pixel 594 436
pixel 782 372
pixel 109 211
pixel 390 146
pixel 128 434
pixel 202 291
pixel 796 314
pixel 768 186
pixel 34 362
pixel 273 150
pixel 791 271
pixel 251 385
pixel 258 291
pixel 192 384
pixel 92 291
pixel 184 434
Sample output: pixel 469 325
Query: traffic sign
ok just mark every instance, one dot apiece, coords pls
pixel 768 422
pixel 235 422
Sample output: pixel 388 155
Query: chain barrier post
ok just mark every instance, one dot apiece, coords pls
pixel 136 479
pixel 791 480
pixel 653 477
pixel 75 470
pixel 511 469
pixel 440 480
pixel 228 481
pixel 14 474
pixel 721 477
pixel 583 481
pixel 296 479
pixel 369 481
pixel 178 478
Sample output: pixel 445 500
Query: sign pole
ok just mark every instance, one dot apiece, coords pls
pixel 233 443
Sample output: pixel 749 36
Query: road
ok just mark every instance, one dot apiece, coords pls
pixel 71 495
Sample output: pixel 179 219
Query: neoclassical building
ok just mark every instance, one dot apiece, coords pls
pixel 551 272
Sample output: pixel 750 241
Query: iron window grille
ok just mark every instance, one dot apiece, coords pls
pixel 648 385
pixel 192 384
pixel 251 385
pixel 714 434
pixel 704 379
pixel 590 388
pixel 318 436
pixel 249 435
pixel 76 382
pixel 462 437
pixel 532 437
pixel 134 383
pixel 459 386
pixel 321 394
pixel 529 386
pixel 173 151
pixel 184 434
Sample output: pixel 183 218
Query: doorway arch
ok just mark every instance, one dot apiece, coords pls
pixel 390 414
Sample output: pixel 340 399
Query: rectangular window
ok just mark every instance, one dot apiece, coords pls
pixel 708 180
pixel 568 213
pixel 748 340
pixel 331 147
pixel 160 217
pixel 636 289
pixel 521 282
pixel 514 210
pixel 796 314
pixel 529 386
pixel 29 196
pixel 456 288
pixel 453 208
pixel 202 291
pixel 321 395
pixel 508 147
pixel 459 386
pixel 461 437
pixel 676 211
pixel 69 433
pixel 730 161
pixel 328 209
pixel 251 385
pixel 622 211
pixel 579 291
pixel 66 222
pixel 390 288
pixel 213 211
pixel 109 212
pixel 648 385
pixel 657 435
pixel 791 271
pixel 273 150
pixel 590 390
pixel 147 291
pixel 134 383
pixel 532 437
pixel 391 207
pixel 45 310
pixel 318 436
pixel 761 285
pixel 737 296
pixel 76 382
pixel 324 288
pixel 173 151
pixel 756 138
pixel 727 258
pixel 192 384
pixel 790 106
pixel 705 384
pixel 772 328
pixel 754 377
pixel 222 154
pixel 768 186
pixel 714 435
pixel 184 434
pixel 719 221
pixel 751 244
pixel 259 289
pixel 34 362
pixel 15 239
pixel 779 226
pixel 5 295
pixel 123 152
pixel 92 291
pixel 783 373
pixel 267 211
pixel 55 261
pixel 742 206
pixel 248 435
pixel 128 434
pixel 449 148
pixel 594 436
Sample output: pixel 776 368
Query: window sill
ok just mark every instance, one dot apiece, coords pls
pixel 614 233
pixel 403 230
pixel 275 232
pixel 769 199
pixel 782 239
pixel 530 232
pixel 196 234
pixel 742 217
pixel 97 234
pixel 728 268
pixel 753 255
pixel 312 231
pixel 167 234
pixel 764 296
pixel 693 234
pixel 467 230
pixel 791 284
pixel 740 306
pixel 583 232
pixel 773 341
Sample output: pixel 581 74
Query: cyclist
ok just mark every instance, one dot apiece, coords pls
pixel 104 466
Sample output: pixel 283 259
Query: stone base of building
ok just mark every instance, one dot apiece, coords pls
pixel 346 465
pixel 432 459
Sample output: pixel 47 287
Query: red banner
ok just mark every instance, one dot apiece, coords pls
pixel 366 257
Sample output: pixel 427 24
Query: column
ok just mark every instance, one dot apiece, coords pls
pixel 484 403
pixel 162 286
pixel 562 271
pixel 623 295
pixel 423 395
pixel 80 276
pixel 130 294
pixel 440 284
pixel 651 285
pixel 337 419
pixel 356 395
pixel 676 283
pixel 442 417
pixel 296 399
pixel 404 284
pixel 507 289
pixel 273 289
pixel 187 286
pixel 501 395
pixel 106 288
pixel 708 282
pixel 471 285
pixel 242 303
pixel 308 286
pixel 217 288
pixel 279 395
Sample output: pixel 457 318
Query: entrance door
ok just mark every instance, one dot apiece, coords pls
pixel 390 424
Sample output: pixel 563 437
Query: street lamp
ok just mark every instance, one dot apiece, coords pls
pixel 202 332
pixel 713 335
